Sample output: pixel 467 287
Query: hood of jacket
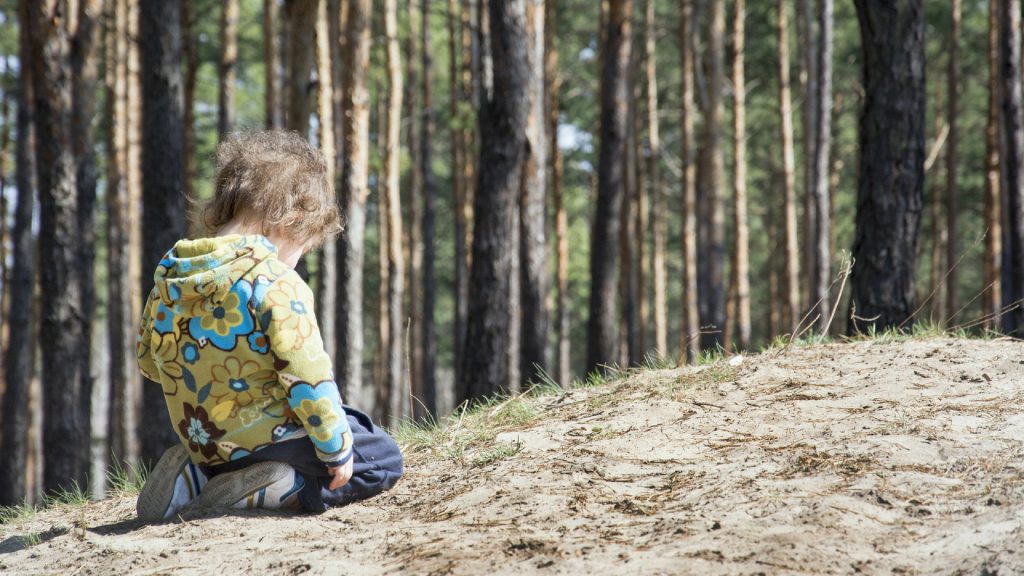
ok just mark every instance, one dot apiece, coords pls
pixel 197 275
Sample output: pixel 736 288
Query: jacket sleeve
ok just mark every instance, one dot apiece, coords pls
pixel 143 351
pixel 304 368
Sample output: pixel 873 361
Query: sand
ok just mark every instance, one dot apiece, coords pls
pixel 895 457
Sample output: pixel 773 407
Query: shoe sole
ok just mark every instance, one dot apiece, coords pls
pixel 225 490
pixel 156 495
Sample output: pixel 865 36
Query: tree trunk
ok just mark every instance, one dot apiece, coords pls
pixel 227 69
pixel 808 46
pixel 821 273
pixel 462 241
pixel 711 256
pixel 889 195
pixel 429 366
pixel 658 207
pixel 553 88
pixel 164 206
pixel 534 275
pixel 270 65
pixel 65 367
pixel 400 407
pixel 382 390
pixel 1013 124
pixel 690 345
pixel 615 74
pixel 300 22
pixel 356 126
pixel 741 265
pixel 190 55
pixel 85 58
pixel 993 293
pixel 628 355
pixel 791 309
pixel 122 290
pixel 953 104
pixel 422 406
pixel 486 365
pixel 326 302
pixel 19 355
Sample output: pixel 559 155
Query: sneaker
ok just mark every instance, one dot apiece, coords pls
pixel 264 485
pixel 173 483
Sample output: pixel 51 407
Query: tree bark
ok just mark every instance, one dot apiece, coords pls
pixel 553 88
pixel 993 293
pixel 65 367
pixel 1013 124
pixel 534 277
pixel 807 40
pixel 889 196
pixel 429 337
pixel 658 207
pixel 270 65
pixel 400 407
pixel 227 70
pixel 356 126
pixel 326 303
pixel 163 203
pixel 487 364
pixel 791 310
pixel 741 265
pixel 190 56
pixel 300 22
pixel 122 290
pixel 422 405
pixel 19 355
pixel 462 242
pixel 85 59
pixel 615 74
pixel 821 273
pixel 952 153
pixel 690 345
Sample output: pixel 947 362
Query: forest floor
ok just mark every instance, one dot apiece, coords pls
pixel 902 456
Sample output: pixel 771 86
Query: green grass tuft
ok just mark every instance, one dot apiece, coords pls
pixel 126 479
pixel 11 514
pixel 497 453
pixel 73 496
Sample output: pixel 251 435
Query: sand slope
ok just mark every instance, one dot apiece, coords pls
pixel 875 457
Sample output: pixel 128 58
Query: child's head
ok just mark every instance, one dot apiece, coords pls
pixel 275 183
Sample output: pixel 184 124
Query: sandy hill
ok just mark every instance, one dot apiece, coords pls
pixel 898 456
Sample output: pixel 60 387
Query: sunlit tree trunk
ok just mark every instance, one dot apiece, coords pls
pixel 227 69
pixel 741 250
pixel 993 294
pixel 889 195
pixel 20 352
pixel 533 249
pixel 85 59
pixel 791 310
pixel 327 280
pixel 356 126
pixel 487 363
pixel 553 84
pixel 690 347
pixel 122 291
pixel 658 206
pixel 392 177
pixel 821 241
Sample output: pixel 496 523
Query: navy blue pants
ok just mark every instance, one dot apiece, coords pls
pixel 376 465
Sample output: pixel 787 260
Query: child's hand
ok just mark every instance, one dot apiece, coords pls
pixel 341 475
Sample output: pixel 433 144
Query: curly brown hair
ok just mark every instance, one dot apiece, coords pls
pixel 274 178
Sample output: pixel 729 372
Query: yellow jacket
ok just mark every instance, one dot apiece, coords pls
pixel 230 334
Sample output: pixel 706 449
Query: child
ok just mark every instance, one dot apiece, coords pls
pixel 229 333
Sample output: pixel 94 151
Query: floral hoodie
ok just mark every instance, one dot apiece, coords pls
pixel 230 334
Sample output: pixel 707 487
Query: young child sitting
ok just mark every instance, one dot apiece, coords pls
pixel 229 333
